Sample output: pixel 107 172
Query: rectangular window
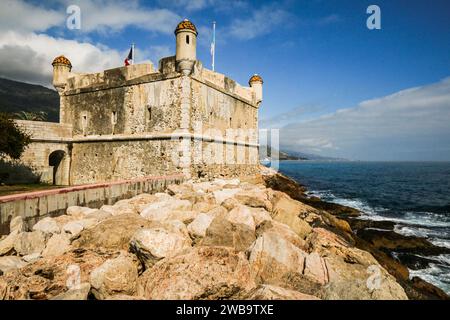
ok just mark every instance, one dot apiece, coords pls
pixel 187 39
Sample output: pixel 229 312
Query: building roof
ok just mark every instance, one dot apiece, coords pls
pixel 186 25
pixel 255 78
pixel 62 60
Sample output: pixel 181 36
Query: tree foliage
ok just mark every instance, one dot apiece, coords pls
pixel 31 116
pixel 13 139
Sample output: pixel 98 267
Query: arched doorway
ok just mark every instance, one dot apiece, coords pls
pixel 55 160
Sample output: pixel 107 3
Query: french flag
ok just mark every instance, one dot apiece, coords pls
pixel 129 58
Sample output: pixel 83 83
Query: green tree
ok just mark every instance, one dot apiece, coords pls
pixel 13 139
pixel 32 116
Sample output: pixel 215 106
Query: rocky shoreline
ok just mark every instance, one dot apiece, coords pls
pixel 393 251
pixel 257 237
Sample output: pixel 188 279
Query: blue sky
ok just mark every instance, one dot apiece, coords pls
pixel 317 57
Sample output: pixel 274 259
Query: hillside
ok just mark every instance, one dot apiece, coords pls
pixel 281 155
pixel 18 96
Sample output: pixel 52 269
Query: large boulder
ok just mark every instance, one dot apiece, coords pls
pixel 7 244
pixel 254 198
pixel 260 215
pixel 231 229
pixel 271 292
pixel 113 233
pixel 281 230
pixel 73 228
pixel 287 211
pixel 29 242
pixel 152 245
pixel 114 276
pixel 79 292
pixel 361 278
pixel 47 225
pixel 197 228
pixel 17 224
pixel 57 245
pixel 222 195
pixel 352 273
pixel 79 212
pixel 161 210
pixel 174 189
pixel 8 263
pixel 200 273
pixel 52 276
pixel 272 257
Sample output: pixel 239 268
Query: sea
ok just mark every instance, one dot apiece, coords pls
pixel 414 195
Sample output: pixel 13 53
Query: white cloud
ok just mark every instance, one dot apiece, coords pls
pixel 28 57
pixel 115 15
pixel 410 124
pixel 20 16
pixel 260 22
pixel 26 53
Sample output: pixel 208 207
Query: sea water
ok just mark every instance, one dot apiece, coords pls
pixel 414 195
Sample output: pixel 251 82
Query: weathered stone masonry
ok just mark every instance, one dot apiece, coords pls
pixel 136 121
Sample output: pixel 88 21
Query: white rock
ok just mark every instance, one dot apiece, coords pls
pixel 161 196
pixel 271 257
pixel 47 225
pixel 32 257
pixel 8 263
pixel 79 292
pixel 108 208
pixel 57 245
pixel 88 222
pixel 176 226
pixel 30 242
pixel 78 211
pixel 222 195
pixel 242 215
pixel 114 276
pixel 198 227
pixel 7 244
pixel 73 228
pixel 160 210
pixel 151 245
pixel 17 224
pixel 260 215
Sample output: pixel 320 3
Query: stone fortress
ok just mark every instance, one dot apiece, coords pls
pixel 137 121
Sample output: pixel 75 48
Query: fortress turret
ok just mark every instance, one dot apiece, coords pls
pixel 61 69
pixel 256 83
pixel 186 46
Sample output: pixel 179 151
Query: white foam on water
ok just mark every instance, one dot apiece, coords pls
pixel 434 275
pixel 435 227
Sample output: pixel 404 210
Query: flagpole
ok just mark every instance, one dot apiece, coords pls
pixel 132 53
pixel 214 45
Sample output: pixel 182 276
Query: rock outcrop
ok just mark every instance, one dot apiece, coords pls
pixel 220 239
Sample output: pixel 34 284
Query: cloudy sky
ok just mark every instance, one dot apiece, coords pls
pixel 332 86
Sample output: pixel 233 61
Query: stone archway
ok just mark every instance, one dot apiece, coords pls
pixel 57 160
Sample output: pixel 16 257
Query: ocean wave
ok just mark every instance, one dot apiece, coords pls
pixel 412 218
pixel 434 274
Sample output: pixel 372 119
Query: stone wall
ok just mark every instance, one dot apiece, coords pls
pixel 101 161
pixel 34 166
pixel 34 206
pixel 134 109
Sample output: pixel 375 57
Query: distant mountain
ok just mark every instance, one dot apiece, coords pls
pixel 281 155
pixel 295 155
pixel 311 156
pixel 19 96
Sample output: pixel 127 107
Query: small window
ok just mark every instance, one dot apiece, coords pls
pixel 149 113
pixel 114 117
pixel 187 39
